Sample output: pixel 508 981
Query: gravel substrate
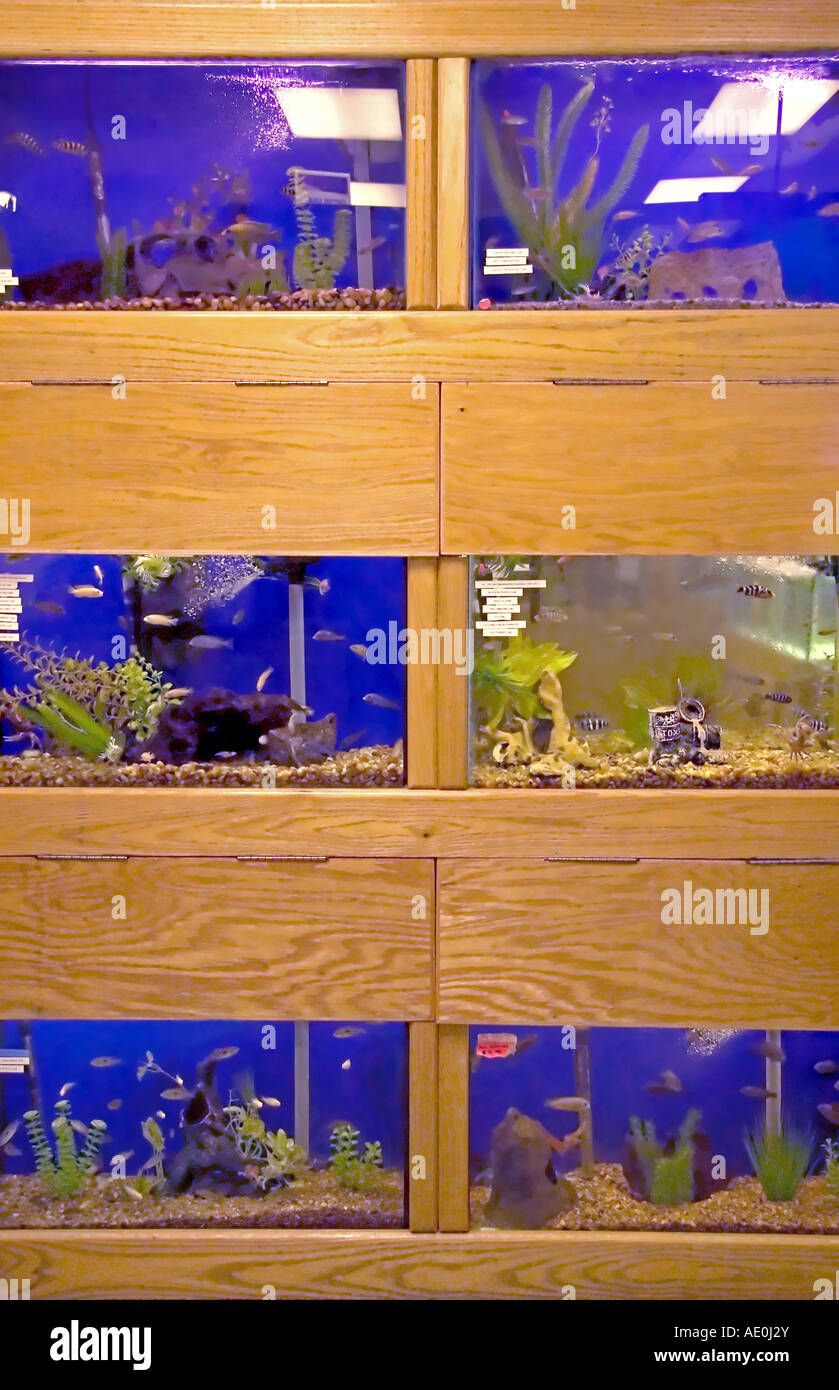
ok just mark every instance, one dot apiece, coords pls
pixel 594 301
pixel 313 1200
pixel 764 767
pixel 347 299
pixel 604 1203
pixel 380 766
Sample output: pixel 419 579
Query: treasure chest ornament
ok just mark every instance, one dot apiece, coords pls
pixel 682 731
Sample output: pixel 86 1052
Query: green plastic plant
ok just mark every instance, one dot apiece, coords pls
pixel 114 274
pixel 781 1161
pixel 273 1152
pixel 668 1175
pixel 356 1172
pixel 318 260
pixel 64 1174
pixel 505 682
pixel 153 1135
pixel 563 232
pixel 831 1168
pixel 149 571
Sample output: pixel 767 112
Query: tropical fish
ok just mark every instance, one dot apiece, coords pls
pixel 263 679
pixel 179 693
pixel 758 1093
pixel 218 1054
pixel 811 192
pixel 176 1093
pixel 84 591
pixel 56 610
pixel 13 1151
pixel 721 164
pixel 624 215
pixel 345 1066
pixel 755 591
pixel 779 697
pixel 790 188
pixel 628 638
pixel 79 1126
pixel 822 631
pixel 26 142
pixel 830 210
pixel 816 724
pixel 238 617
pixel 668 1084
pixel 359 649
pixel 615 627
pixel 9 1133
pixel 68 1086
pixel 771 1051
pixel 381 702
pixel 350 740
pixel 685 226
pixel 70 147
pixel 323 634
pixel 707 231
pixel 827 1068
pixel 550 615
pixel 577 1104
pixel 107 1062
pixel 664 636
pixel 114 1104
pixel 592 723
pixel 372 245
pixel 160 1114
pixel 752 680
pixel 750 169
pixel 245 229
pixel 829 1112
pixel 160 620
pixel 272 1101
pixel 205 643
pixel 350 1031
pixel 508 119
pixel 100 577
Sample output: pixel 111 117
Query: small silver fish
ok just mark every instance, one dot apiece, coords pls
pixel 345 1066
pixel 205 643
pixel 272 1101
pixel 721 164
pixel 263 679
pixel 238 617
pixel 79 1126
pixel 84 591
pixel 179 693
pixel 624 214
pixel 772 1051
pixel 176 1093
pixel 225 756
pixel 55 610
pixel 757 1093
pixel 664 636
pixel 827 1068
pixel 107 1062
pixel 160 620
pixel 114 1104
pixel 749 170
pixel 124 1157
pixel 9 1133
pixel 830 210
pixel 592 723
pixel 350 1031
pixel 66 1088
pixel 577 1104
pixel 359 649
pixel 97 570
pixel 550 615
pixel 324 634
pixel 372 245
pixel 668 1083
pixel 790 188
pixel 381 702
pixel 160 1114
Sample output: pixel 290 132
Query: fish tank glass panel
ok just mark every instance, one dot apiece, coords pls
pixel 654 671
pixel 202 1124
pixel 212 670
pixel 705 1129
pixel 192 185
pixel 688 181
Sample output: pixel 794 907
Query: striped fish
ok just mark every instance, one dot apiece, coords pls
pixel 591 722
pixel 779 698
pixel 70 147
pixel 817 725
pixel 27 142
pixel 755 591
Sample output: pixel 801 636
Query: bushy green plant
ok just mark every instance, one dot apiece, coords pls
pixel 65 1173
pixel 273 1152
pixel 358 1172
pixel 504 683
pixel 831 1168
pixel 781 1161
pixel 564 232
pixel 668 1175
pixel 318 260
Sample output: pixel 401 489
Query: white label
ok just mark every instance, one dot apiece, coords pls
pixel 500 629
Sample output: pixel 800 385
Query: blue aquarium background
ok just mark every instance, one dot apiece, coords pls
pixel 227 629
pixel 712 1066
pixel 168 152
pixel 601 155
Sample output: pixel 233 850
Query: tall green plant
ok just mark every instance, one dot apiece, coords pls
pixel 668 1176
pixel 505 683
pixel 564 232
pixel 318 260
pixel 65 1174
pixel 781 1161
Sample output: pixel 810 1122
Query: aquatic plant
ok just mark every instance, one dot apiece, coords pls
pixel 153 1135
pixel 781 1161
pixel 831 1168
pixel 90 709
pixel 356 1172
pixel 667 1172
pixel 318 260
pixel 273 1152
pixel 149 571
pixel 564 234
pixel 65 1173
pixel 695 676
pixel 114 270
pixel 626 275
pixel 505 682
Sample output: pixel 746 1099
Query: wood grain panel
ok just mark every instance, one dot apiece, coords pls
pixel 522 345
pixel 422 1127
pixel 421 156
pixel 390 1264
pixel 289 28
pixel 529 825
pixel 422 677
pixel 453 1093
pixel 453 688
pixel 214 939
pixel 453 185
pixel 193 468
pixel 661 468
pixel 585 944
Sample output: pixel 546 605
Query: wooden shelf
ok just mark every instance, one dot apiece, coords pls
pixel 406 823
pixel 396 1264
pixel 292 28
pixel 523 345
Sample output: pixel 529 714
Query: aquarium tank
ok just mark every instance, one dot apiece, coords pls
pixel 202 1124
pixel 654 671
pixel 193 185
pixel 704 1129
pixel 680 181
pixel 202 670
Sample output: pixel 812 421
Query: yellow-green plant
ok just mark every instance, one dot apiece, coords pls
pixel 505 682
pixel 562 231
pixel 65 1173
pixel 318 260
pixel 273 1152
pixel 358 1172
pixel 149 571
pixel 781 1161
pixel 668 1176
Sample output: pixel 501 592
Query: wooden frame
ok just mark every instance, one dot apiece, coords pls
pixel 286 28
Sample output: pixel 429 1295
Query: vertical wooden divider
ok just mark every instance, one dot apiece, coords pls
pixel 453 184
pixel 421 159
pixel 422 677
pixel 453 1134
pixel 422 1128
pixel 452 688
